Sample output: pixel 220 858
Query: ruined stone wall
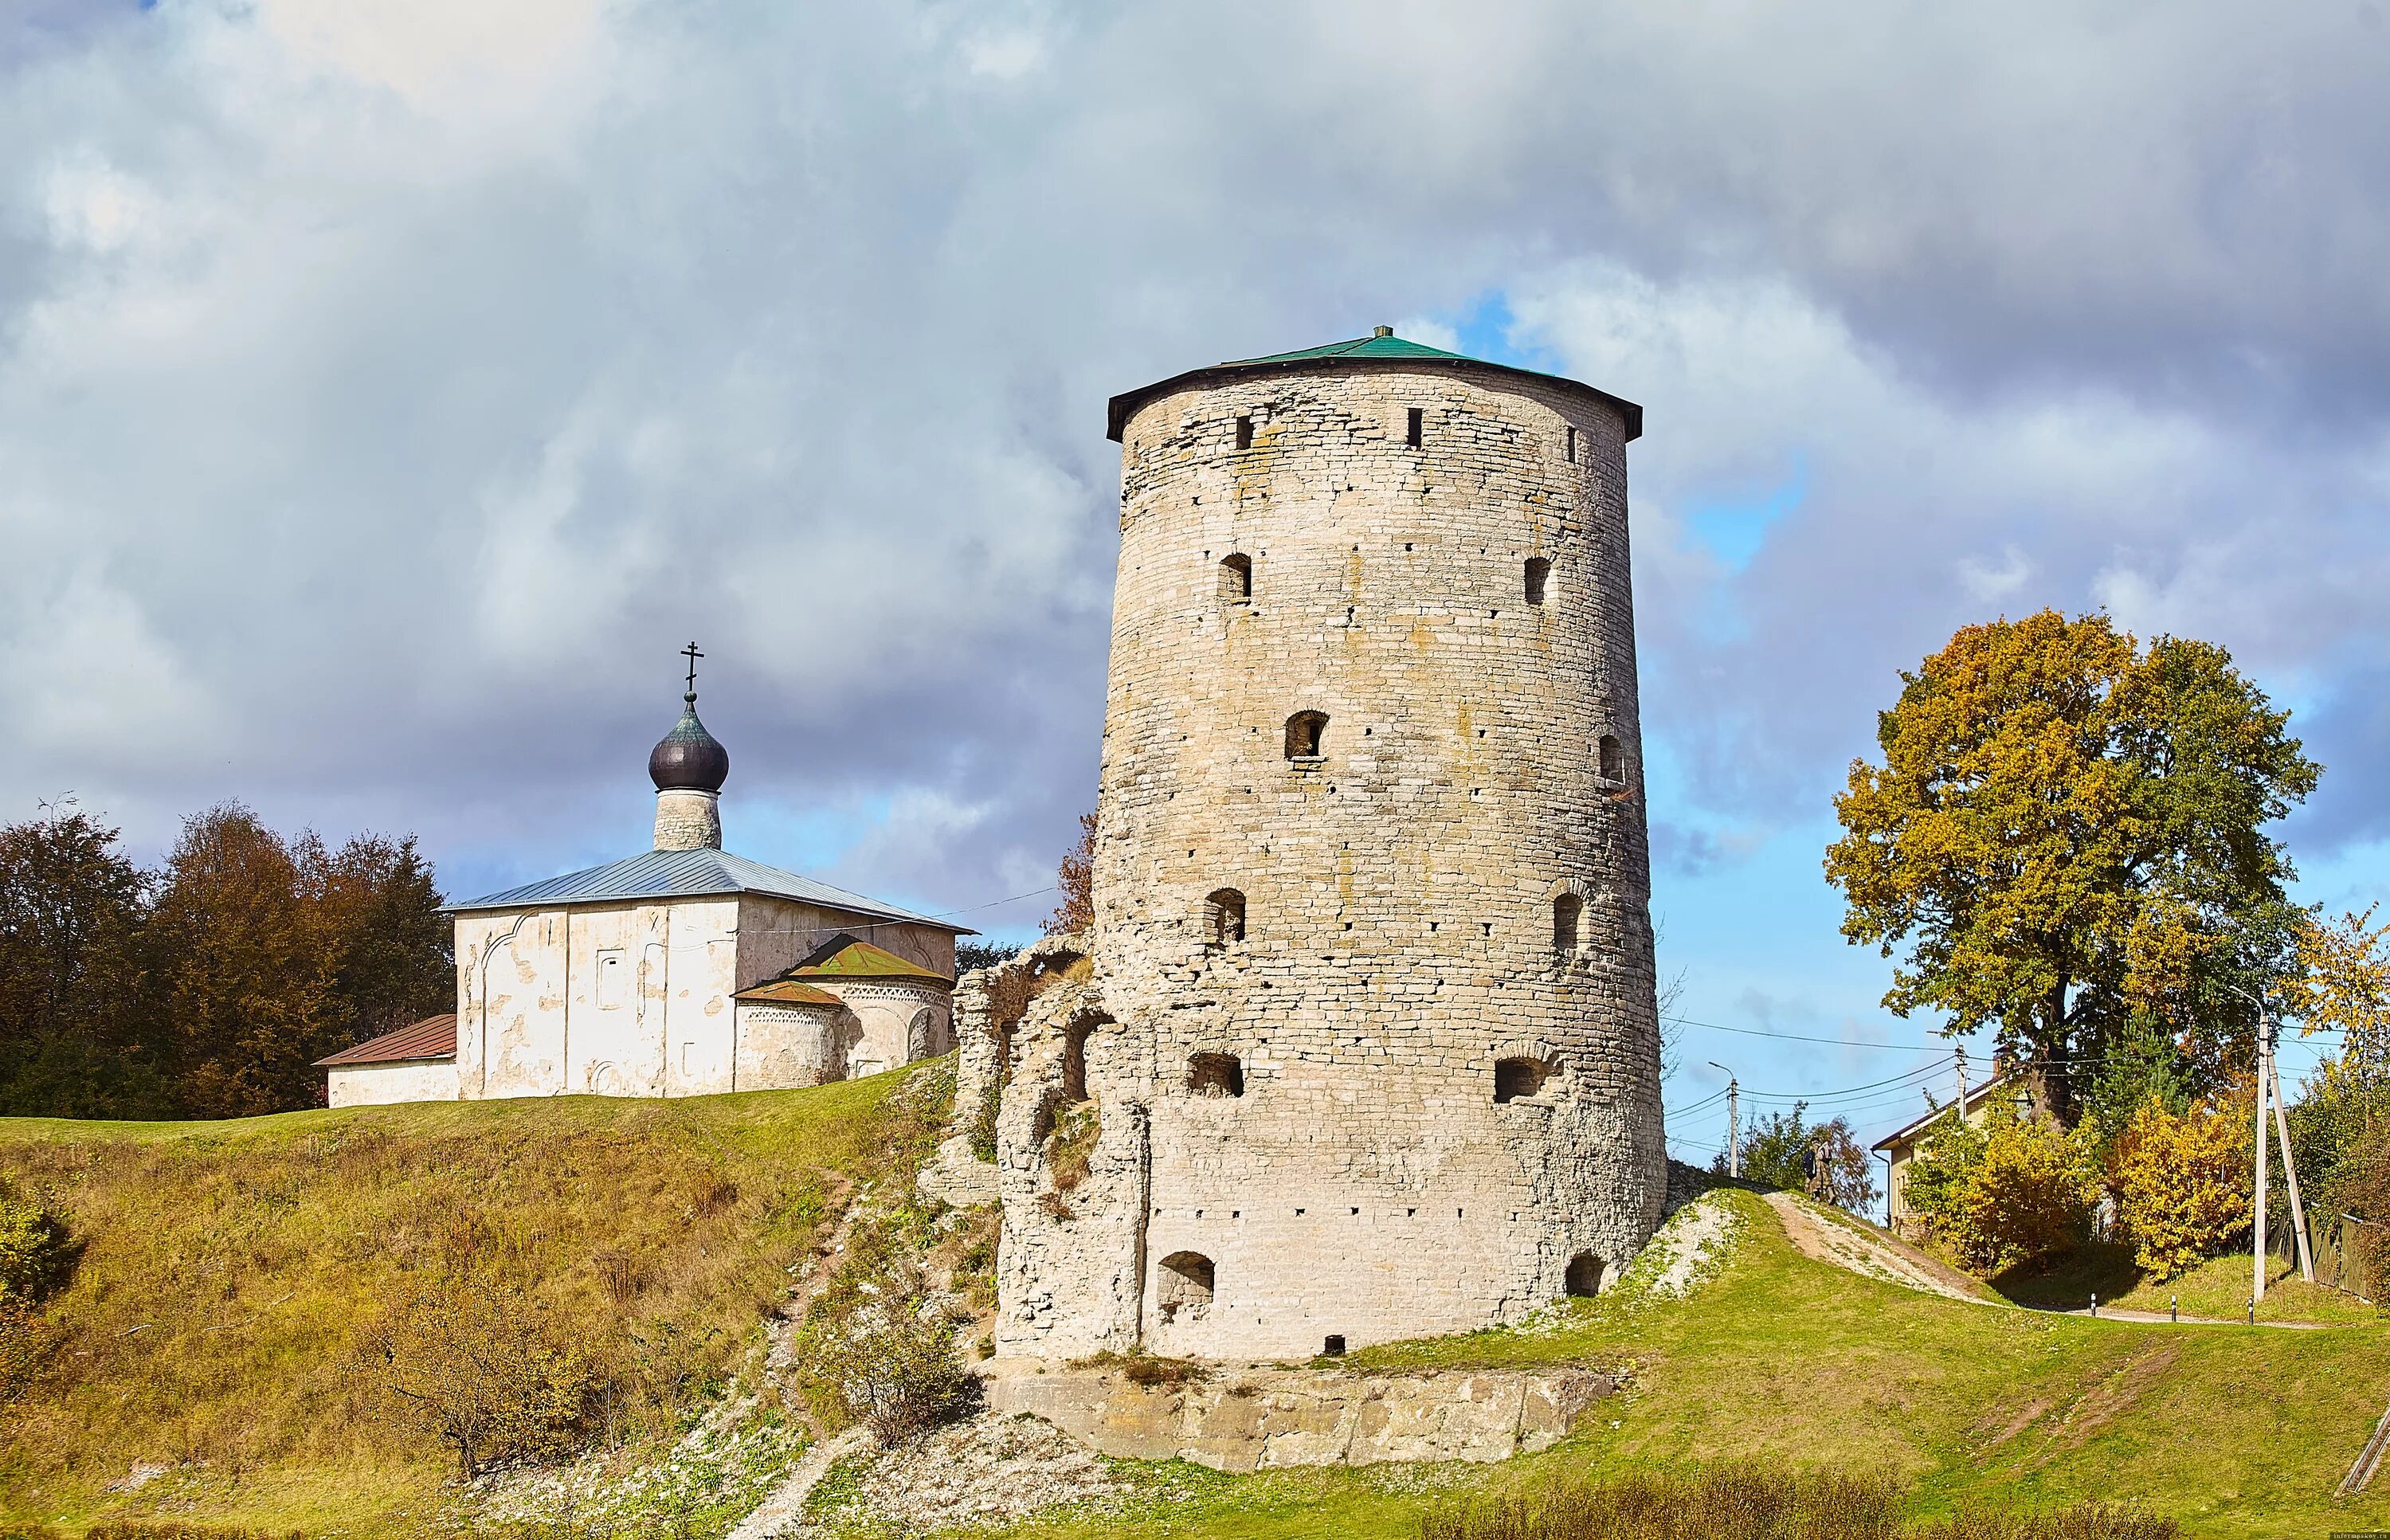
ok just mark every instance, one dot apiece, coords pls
pixel 1317 1098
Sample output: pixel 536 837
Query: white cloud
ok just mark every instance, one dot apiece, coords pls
pixel 399 386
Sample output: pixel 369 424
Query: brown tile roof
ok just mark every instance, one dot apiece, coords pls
pixel 433 1037
pixel 786 991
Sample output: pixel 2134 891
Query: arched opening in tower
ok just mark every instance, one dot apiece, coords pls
pixel 1223 918
pixel 1235 578
pixel 1614 759
pixel 1215 1074
pixel 1567 910
pixel 1185 1286
pixel 1516 1078
pixel 1075 1057
pixel 1539 570
pixel 1583 1275
pixel 1305 733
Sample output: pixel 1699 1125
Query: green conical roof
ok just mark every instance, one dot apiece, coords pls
pixel 1383 348
pixel 1385 344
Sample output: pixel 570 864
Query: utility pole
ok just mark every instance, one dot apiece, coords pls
pixel 1733 1122
pixel 2258 1261
pixel 2289 1166
pixel 2269 1084
pixel 1961 1056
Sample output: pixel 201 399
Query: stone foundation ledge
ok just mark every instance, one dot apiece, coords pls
pixel 1242 1420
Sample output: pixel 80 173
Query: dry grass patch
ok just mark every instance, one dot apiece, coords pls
pixel 241 1285
pixel 1758 1502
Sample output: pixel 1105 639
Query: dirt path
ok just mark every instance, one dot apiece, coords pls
pixel 779 1513
pixel 1825 1237
pixel 2162 1318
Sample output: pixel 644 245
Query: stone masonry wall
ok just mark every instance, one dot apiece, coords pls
pixel 1305 1116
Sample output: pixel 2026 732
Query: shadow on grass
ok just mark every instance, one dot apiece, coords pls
pixel 2068 1282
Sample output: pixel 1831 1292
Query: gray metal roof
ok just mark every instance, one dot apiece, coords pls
pixel 689 874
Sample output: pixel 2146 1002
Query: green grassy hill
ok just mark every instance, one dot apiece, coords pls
pixel 2217 1287
pixel 2234 1431
pixel 217 1323
pixel 231 1270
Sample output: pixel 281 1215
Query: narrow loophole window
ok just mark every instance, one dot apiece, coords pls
pixel 1223 918
pixel 1306 731
pixel 1566 910
pixel 1572 447
pixel 1235 578
pixel 1074 1061
pixel 1215 1074
pixel 1539 571
pixel 1244 433
pixel 1411 430
pixel 1614 759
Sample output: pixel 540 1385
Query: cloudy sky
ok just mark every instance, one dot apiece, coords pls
pixel 385 397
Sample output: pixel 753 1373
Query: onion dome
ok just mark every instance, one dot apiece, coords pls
pixel 689 758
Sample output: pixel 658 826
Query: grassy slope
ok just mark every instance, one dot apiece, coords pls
pixel 2236 1431
pixel 230 1267
pixel 2217 1287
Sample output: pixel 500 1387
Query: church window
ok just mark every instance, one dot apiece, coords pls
pixel 1585 1276
pixel 1306 731
pixel 1223 918
pixel 1215 1074
pixel 1412 427
pixel 1539 568
pixel 1235 578
pixel 1566 910
pixel 1613 760
pixel 1516 1078
pixel 1244 433
pixel 1186 1285
pixel 614 981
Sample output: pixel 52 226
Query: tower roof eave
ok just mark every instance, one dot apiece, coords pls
pixel 1390 353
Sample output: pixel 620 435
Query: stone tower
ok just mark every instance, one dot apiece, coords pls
pixel 1364 1034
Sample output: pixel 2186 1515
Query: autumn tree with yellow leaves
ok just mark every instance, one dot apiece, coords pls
pixel 2067 833
pixel 2182 1182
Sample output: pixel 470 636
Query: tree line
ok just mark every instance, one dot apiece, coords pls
pixel 2067 840
pixel 209 986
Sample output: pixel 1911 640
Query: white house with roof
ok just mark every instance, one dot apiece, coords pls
pixel 680 971
pixel 1899 1148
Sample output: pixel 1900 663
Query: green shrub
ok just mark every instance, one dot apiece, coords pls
pixel 36 1253
pixel 1778 1149
pixel 2013 1189
pixel 877 1347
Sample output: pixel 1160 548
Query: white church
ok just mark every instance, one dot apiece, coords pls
pixel 680 971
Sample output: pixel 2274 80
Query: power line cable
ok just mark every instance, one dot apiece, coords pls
pixel 1801 1037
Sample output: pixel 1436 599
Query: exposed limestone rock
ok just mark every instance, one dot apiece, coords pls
pixel 1266 1418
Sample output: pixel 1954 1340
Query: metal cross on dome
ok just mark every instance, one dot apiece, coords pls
pixel 692 653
